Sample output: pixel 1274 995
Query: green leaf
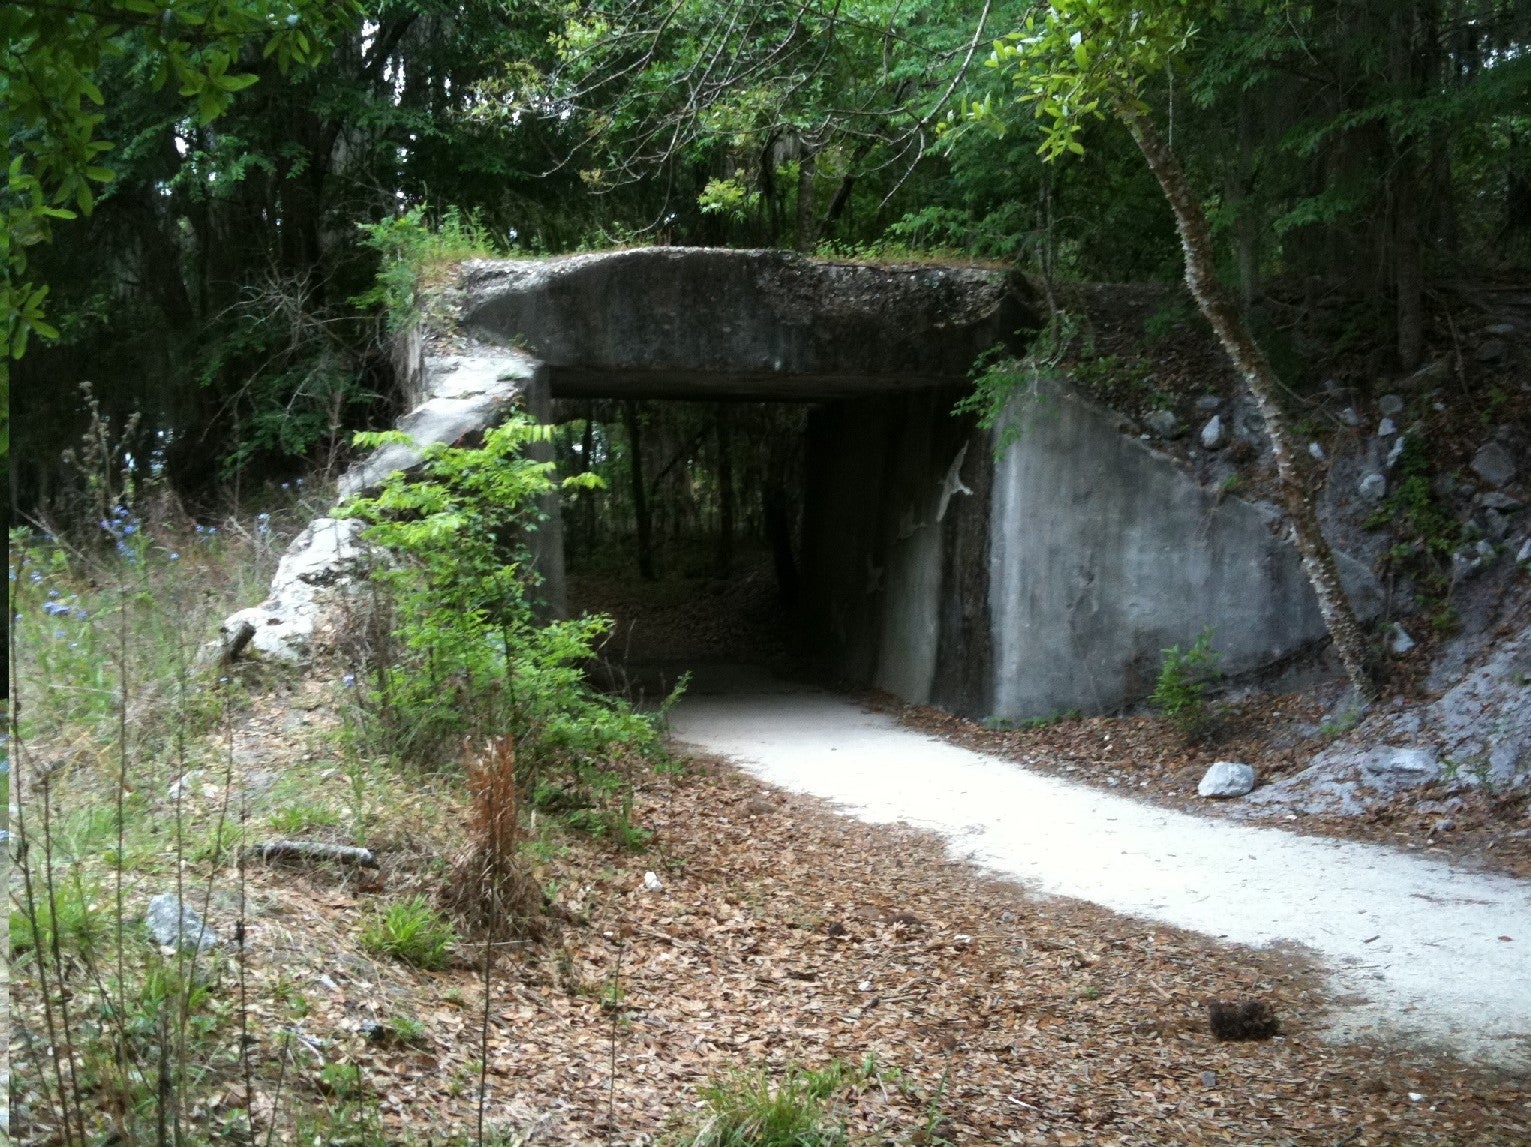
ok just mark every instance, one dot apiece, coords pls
pixel 210 105
pixel 236 83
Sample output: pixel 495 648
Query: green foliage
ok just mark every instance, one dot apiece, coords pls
pixel 747 1110
pixel 340 1078
pixel 1411 507
pixel 728 197
pixel 411 931
pixel 70 916
pixel 469 651
pixel 1003 724
pixel 407 1030
pixel 1077 60
pixel 415 253
pixel 1341 723
pixel 301 816
pixel 1426 533
pixel 999 379
pixel 1181 691
pixel 53 63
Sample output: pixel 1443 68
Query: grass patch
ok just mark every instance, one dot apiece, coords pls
pixel 411 931
pixel 67 915
pixel 302 816
pixel 748 1110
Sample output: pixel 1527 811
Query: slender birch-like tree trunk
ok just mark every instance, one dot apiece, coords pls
pixel 1250 361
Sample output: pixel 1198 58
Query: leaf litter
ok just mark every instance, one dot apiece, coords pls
pixel 788 934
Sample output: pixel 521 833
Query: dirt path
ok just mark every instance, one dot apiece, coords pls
pixel 1413 948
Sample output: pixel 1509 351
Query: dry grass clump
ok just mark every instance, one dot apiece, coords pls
pixel 491 887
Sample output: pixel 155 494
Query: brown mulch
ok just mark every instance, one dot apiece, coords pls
pixel 1145 756
pixel 786 933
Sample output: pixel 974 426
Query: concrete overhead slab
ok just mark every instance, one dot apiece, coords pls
pixel 1438 956
pixel 679 322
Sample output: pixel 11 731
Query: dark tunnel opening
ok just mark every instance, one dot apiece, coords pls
pixel 749 542
pixel 693 542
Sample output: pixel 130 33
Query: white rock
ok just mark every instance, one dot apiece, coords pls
pixel 1499 500
pixel 1212 434
pixel 321 560
pixel 1524 554
pixel 1387 428
pixel 1350 417
pixel 1396 452
pixel 1227 779
pixel 652 882
pixel 173 924
pixel 1373 486
pixel 1390 404
pixel 1392 767
pixel 1464 565
pixel 1494 464
pixel 1401 642
pixel 1163 423
pixel 1316 450
pixel 182 787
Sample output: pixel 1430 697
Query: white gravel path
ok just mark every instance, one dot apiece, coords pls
pixel 1439 956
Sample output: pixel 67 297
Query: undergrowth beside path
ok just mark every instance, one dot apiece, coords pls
pixel 734 960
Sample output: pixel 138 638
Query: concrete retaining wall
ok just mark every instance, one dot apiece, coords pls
pixel 1057 582
pixel 1049 580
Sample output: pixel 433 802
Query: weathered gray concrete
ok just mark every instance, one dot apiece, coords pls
pixel 1048 581
pixel 676 322
pixel 311 582
pixel 1103 553
pixel 460 394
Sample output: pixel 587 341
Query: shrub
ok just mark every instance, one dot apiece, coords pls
pixel 468 653
pixel 1181 692
pixel 745 1110
pixel 492 888
pixel 411 931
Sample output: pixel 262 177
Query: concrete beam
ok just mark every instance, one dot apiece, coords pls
pixel 699 323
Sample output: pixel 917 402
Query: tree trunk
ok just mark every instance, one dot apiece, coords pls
pixel 640 491
pixel 1250 361
pixel 807 237
pixel 1245 230
pixel 725 555
pixel 587 497
pixel 1403 183
pixel 1408 276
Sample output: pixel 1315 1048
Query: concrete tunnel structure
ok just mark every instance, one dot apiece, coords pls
pixel 1048 579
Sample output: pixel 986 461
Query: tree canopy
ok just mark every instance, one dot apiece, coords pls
pixel 1357 151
